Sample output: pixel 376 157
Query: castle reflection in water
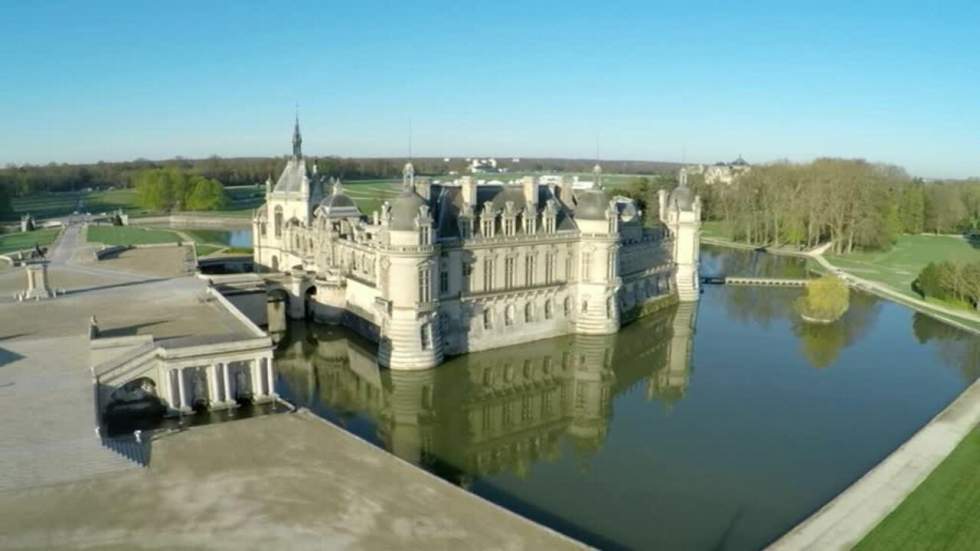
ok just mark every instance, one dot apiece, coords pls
pixel 490 412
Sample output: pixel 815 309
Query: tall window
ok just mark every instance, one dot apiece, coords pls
pixel 529 312
pixel 425 285
pixel 509 225
pixel 278 222
pixel 425 335
pixel 443 282
pixel 487 274
pixel 529 267
pixel 586 266
pixel 425 235
pixel 548 309
pixel 509 272
pixel 549 268
pixel 568 267
pixel 467 276
pixel 487 318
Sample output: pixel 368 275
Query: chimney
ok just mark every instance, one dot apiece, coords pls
pixel 468 189
pixel 530 186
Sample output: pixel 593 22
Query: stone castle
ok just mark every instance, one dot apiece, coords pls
pixel 450 268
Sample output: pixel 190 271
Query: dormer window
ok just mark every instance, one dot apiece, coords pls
pixel 425 234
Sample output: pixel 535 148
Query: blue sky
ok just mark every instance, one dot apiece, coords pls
pixel 89 81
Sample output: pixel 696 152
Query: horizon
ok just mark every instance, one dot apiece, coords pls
pixel 889 84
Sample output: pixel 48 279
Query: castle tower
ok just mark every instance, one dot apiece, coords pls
pixel 597 307
pixel 410 336
pixel 681 213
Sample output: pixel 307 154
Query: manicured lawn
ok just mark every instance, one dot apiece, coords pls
pixel 129 235
pixel 205 250
pixel 900 265
pixel 11 242
pixel 942 513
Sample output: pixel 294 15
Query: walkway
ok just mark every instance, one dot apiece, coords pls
pixel 845 520
pixel 288 481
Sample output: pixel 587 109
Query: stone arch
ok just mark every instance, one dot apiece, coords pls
pixel 136 398
pixel 309 301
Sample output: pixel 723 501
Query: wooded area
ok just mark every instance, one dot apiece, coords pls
pixel 28 179
pixel 852 202
pixel 951 281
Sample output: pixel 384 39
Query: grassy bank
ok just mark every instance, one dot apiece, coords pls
pixel 942 513
pixel 898 267
pixel 26 240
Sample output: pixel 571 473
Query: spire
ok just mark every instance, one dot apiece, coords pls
pixel 297 139
pixel 597 170
pixel 408 177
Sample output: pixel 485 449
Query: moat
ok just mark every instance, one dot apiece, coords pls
pixel 714 425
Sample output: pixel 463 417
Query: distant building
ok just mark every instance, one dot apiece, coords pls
pixel 478 166
pixel 452 268
pixel 724 173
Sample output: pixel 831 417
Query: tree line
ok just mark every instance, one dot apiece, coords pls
pixel 29 179
pixel 854 203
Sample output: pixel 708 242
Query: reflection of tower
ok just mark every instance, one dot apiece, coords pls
pixel 681 213
pixel 671 381
pixel 411 414
pixel 591 383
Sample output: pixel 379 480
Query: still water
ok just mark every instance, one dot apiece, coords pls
pixel 237 237
pixel 711 426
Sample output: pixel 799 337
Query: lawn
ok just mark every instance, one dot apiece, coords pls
pixel 900 265
pixel 26 240
pixel 942 513
pixel 129 235
pixel 48 205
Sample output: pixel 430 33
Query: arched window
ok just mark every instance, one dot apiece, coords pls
pixel 585 306
pixel 547 309
pixel 568 306
pixel 487 318
pixel 275 263
pixel 529 312
pixel 426 335
pixel 278 221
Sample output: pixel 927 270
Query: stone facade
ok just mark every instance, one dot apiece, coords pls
pixel 459 267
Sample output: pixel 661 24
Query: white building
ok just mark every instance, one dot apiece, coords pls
pixel 452 268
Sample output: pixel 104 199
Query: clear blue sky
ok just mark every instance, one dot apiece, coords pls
pixel 89 81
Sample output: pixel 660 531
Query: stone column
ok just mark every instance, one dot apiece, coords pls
pixel 183 389
pixel 213 384
pixel 228 397
pixel 269 373
pixel 253 369
pixel 174 389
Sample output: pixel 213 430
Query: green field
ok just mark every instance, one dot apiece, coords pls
pixel 242 200
pixel 942 513
pixel 19 241
pixel 900 265
pixel 129 235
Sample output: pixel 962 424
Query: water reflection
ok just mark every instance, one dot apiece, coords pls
pixel 492 412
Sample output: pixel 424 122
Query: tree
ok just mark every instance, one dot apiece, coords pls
pixel 825 299
pixel 207 194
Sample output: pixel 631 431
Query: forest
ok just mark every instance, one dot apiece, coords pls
pixel 855 204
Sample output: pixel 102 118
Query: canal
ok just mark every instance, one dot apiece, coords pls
pixel 707 426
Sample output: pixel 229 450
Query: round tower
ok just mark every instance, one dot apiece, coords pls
pixel 410 336
pixel 681 213
pixel 597 308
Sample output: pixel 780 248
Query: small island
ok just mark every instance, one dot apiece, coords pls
pixel 824 300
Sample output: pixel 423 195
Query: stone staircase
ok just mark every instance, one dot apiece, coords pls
pixel 63 461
